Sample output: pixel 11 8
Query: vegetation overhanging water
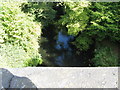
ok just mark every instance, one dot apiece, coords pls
pixel 59 34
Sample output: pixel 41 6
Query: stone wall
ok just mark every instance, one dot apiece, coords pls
pixel 59 77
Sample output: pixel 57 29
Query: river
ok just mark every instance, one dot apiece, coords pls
pixel 56 49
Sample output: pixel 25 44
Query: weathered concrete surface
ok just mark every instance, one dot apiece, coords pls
pixel 6 78
pixel 119 78
pixel 21 82
pixel 0 78
pixel 63 77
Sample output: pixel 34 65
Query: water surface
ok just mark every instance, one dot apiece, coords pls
pixel 56 49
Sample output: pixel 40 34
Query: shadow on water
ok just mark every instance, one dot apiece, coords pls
pixel 56 49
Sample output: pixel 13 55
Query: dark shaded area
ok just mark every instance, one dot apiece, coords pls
pixel 60 10
pixel 56 49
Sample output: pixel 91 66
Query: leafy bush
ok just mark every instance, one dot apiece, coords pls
pixel 103 21
pixel 74 18
pixel 92 21
pixel 83 42
pixel 15 56
pixel 19 30
pixel 104 56
pixel 42 11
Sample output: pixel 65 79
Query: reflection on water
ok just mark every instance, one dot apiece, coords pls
pixel 57 51
pixel 62 41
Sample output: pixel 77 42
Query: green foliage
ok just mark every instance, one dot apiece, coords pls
pixel 75 18
pixel 92 21
pixel 83 42
pixel 88 22
pixel 104 56
pixel 19 30
pixel 15 56
pixel 104 18
pixel 42 11
pixel 12 56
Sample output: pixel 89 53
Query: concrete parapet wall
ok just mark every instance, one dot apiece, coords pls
pixel 59 77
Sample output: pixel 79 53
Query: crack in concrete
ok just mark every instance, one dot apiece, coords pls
pixel 10 81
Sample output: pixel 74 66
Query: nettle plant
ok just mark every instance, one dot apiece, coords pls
pixel 18 30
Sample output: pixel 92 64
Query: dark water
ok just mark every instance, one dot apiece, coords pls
pixel 56 49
